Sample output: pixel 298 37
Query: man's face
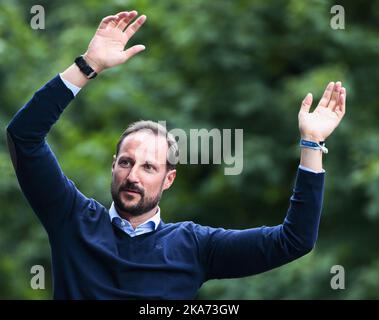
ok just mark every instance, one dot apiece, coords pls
pixel 139 174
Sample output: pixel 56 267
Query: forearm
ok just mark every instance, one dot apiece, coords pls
pixel 311 159
pixel 33 121
pixel 28 128
pixel 75 76
pixel 300 227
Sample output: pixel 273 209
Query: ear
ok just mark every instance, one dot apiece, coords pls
pixel 113 162
pixel 170 177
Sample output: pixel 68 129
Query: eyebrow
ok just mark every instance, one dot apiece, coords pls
pixel 151 163
pixel 126 157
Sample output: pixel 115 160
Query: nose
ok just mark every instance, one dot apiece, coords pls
pixel 133 175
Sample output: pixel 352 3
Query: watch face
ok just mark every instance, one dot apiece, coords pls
pixel 92 75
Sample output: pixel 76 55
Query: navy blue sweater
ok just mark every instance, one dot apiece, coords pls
pixel 92 259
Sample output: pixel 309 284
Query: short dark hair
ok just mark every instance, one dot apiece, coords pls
pixel 157 129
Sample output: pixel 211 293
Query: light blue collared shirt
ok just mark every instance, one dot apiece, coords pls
pixel 148 226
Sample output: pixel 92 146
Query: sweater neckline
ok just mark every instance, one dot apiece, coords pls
pixel 141 236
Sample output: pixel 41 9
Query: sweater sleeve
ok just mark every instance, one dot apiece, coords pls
pixel 240 253
pixel 49 192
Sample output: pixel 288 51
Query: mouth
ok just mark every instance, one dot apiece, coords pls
pixel 132 192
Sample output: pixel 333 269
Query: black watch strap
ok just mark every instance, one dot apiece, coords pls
pixel 85 68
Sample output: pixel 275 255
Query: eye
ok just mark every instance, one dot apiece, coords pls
pixel 124 163
pixel 148 167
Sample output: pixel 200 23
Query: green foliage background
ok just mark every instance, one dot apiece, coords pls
pixel 209 64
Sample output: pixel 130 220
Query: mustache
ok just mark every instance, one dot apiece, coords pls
pixel 131 187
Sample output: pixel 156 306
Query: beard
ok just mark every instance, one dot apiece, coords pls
pixel 144 204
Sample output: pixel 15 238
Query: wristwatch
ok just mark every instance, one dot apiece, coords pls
pixel 85 68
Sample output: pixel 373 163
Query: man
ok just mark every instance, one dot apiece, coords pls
pixel 128 251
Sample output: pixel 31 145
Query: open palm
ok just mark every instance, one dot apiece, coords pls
pixel 320 123
pixel 106 48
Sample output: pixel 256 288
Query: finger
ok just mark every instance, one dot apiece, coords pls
pixel 124 18
pixel 133 28
pixel 341 107
pixel 122 24
pixel 127 14
pixel 306 104
pixel 327 95
pixel 104 23
pixel 335 96
pixel 133 51
pixel 112 24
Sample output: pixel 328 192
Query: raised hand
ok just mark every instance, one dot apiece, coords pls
pixel 107 47
pixel 319 124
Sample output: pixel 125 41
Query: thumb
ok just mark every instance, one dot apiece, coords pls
pixel 307 102
pixel 133 51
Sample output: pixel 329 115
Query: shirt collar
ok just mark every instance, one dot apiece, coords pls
pixel 155 219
